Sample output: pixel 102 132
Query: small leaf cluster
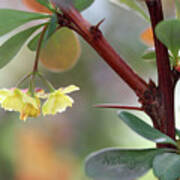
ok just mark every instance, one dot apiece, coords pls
pixel 14 19
pixel 11 19
pixel 128 164
pixel 167 32
pixel 27 102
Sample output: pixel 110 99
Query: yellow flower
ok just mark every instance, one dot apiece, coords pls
pixel 18 100
pixel 58 100
pixel 3 94
pixel 28 106
pixel 12 99
pixel 31 108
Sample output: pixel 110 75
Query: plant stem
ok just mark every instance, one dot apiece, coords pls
pixel 95 38
pixel 165 79
pixel 35 68
pixel 23 79
pixel 157 102
pixel 46 82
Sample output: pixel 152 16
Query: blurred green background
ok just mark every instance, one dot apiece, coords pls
pixel 55 147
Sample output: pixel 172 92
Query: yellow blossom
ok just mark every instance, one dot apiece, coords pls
pixel 3 94
pixel 18 100
pixel 30 109
pixel 12 100
pixel 58 100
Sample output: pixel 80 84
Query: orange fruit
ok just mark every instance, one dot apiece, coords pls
pixel 147 37
pixel 35 6
pixel 61 51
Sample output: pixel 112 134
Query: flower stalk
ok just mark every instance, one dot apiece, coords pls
pixel 35 68
pixel 46 82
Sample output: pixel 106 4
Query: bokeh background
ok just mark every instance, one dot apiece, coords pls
pixel 55 147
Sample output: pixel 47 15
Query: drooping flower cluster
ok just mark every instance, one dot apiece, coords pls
pixel 30 106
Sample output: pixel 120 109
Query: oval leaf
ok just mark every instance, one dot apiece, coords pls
pixel 13 45
pixel 132 5
pixel 167 166
pixel 177 3
pixel 178 132
pixel 78 4
pixel 32 45
pixel 82 4
pixel 116 164
pixel 11 19
pixel 51 28
pixel 47 4
pixel 168 33
pixel 145 130
pixel 149 54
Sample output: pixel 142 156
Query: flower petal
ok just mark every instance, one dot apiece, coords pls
pixel 29 111
pixel 4 93
pixel 70 89
pixel 30 100
pixel 57 102
pixel 13 102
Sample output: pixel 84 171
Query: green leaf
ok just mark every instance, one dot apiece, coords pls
pixel 177 2
pixel 32 45
pixel 51 28
pixel 167 166
pixel 47 4
pixel 116 164
pixel 11 19
pixel 168 33
pixel 13 45
pixel 178 132
pixel 145 130
pixel 78 4
pixel 82 4
pixel 149 55
pixel 132 4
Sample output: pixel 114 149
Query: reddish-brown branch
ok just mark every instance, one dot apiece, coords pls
pixel 95 38
pixel 165 80
pixel 158 103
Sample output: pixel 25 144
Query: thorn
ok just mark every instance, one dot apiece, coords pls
pixel 99 23
pixel 95 30
pixel 116 106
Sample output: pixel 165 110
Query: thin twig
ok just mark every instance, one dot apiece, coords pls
pixel 35 68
